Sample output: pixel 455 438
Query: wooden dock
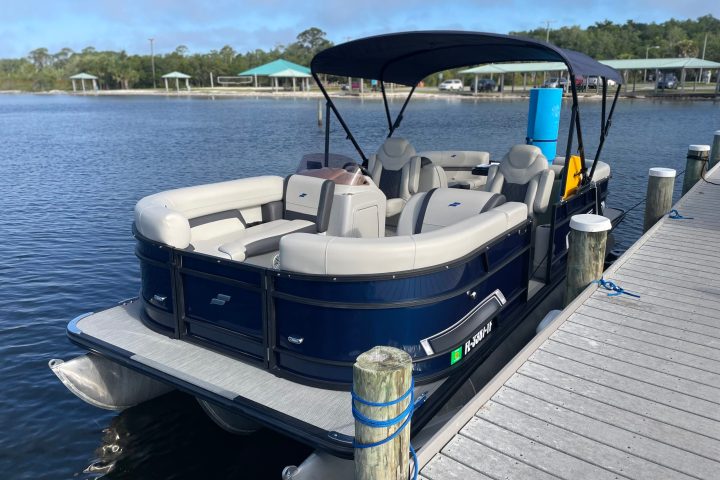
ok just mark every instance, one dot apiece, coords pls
pixel 616 387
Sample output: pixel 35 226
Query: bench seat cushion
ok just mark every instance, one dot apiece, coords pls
pixel 261 238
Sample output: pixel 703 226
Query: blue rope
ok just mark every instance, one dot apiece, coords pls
pixel 614 289
pixel 675 215
pixel 404 417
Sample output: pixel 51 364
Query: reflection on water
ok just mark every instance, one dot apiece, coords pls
pixel 71 170
pixel 171 437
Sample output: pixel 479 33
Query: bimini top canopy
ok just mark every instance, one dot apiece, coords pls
pixel 406 58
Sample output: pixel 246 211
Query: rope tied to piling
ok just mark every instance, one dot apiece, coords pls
pixel 403 418
pixel 614 289
pixel 675 215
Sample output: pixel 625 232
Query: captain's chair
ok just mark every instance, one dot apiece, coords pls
pixel 395 169
pixel 524 176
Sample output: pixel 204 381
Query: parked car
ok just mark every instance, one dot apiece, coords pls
pixel 354 86
pixel 667 81
pixel 556 82
pixel 486 85
pixel 451 85
pixel 594 82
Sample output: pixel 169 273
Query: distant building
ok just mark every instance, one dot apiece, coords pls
pixel 177 76
pixel 277 69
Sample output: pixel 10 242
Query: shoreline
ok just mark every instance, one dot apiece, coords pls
pixel 429 94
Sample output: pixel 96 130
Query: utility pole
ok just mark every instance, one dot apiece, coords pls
pixel 703 57
pixel 547 29
pixel 152 59
pixel 647 52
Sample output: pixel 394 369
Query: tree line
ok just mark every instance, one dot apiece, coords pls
pixel 43 70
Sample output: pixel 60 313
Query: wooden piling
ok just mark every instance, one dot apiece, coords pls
pixel 319 113
pixel 697 159
pixel 586 255
pixel 382 374
pixel 715 153
pixel 658 199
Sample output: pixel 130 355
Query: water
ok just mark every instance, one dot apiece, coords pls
pixel 71 170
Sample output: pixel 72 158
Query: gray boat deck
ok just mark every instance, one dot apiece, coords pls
pixel 220 374
pixel 616 387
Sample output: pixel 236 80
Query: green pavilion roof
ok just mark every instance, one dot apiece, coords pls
pixel 628 64
pixel 659 63
pixel 517 67
pixel 274 68
pixel 290 72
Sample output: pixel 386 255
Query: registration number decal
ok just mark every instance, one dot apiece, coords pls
pixel 463 350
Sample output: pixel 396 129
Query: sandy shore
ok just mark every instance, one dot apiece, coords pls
pixel 426 93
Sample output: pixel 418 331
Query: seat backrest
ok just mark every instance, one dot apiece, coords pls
pixel 442 207
pixel 431 176
pixel 308 198
pixel 395 168
pixel 523 176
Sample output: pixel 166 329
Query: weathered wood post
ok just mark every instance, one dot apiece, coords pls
pixel 715 153
pixel 697 158
pixel 658 200
pixel 319 113
pixel 382 375
pixel 586 255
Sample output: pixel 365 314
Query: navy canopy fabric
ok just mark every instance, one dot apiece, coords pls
pixel 406 58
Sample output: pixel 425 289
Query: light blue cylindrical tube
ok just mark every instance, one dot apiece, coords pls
pixel 544 120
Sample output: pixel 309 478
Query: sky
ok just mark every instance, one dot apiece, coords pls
pixel 204 25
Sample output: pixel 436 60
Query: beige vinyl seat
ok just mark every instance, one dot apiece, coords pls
pixel 400 173
pixel 523 176
pixel 442 207
pixel 305 207
pixel 434 229
pixel 458 166
pixel 236 219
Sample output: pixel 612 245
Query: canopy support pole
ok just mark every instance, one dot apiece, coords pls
pixel 327 134
pixel 568 148
pixel 387 107
pixel 605 127
pixel 340 119
pixel 581 145
pixel 74 86
pixel 399 117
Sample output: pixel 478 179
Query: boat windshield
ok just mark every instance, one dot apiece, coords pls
pixel 342 170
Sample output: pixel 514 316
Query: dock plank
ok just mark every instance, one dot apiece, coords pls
pixel 670 317
pixel 617 386
pixel 637 358
pixel 623 400
pixel 632 371
pixel 658 324
pixel 634 345
pixel 622 452
pixel 448 468
pixel 490 462
pixel 632 422
pixel 671 398
pixel 647 336
pixel 524 448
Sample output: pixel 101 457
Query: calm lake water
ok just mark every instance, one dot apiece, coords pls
pixel 71 170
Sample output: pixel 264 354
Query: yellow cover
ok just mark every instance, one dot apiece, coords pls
pixel 574 167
